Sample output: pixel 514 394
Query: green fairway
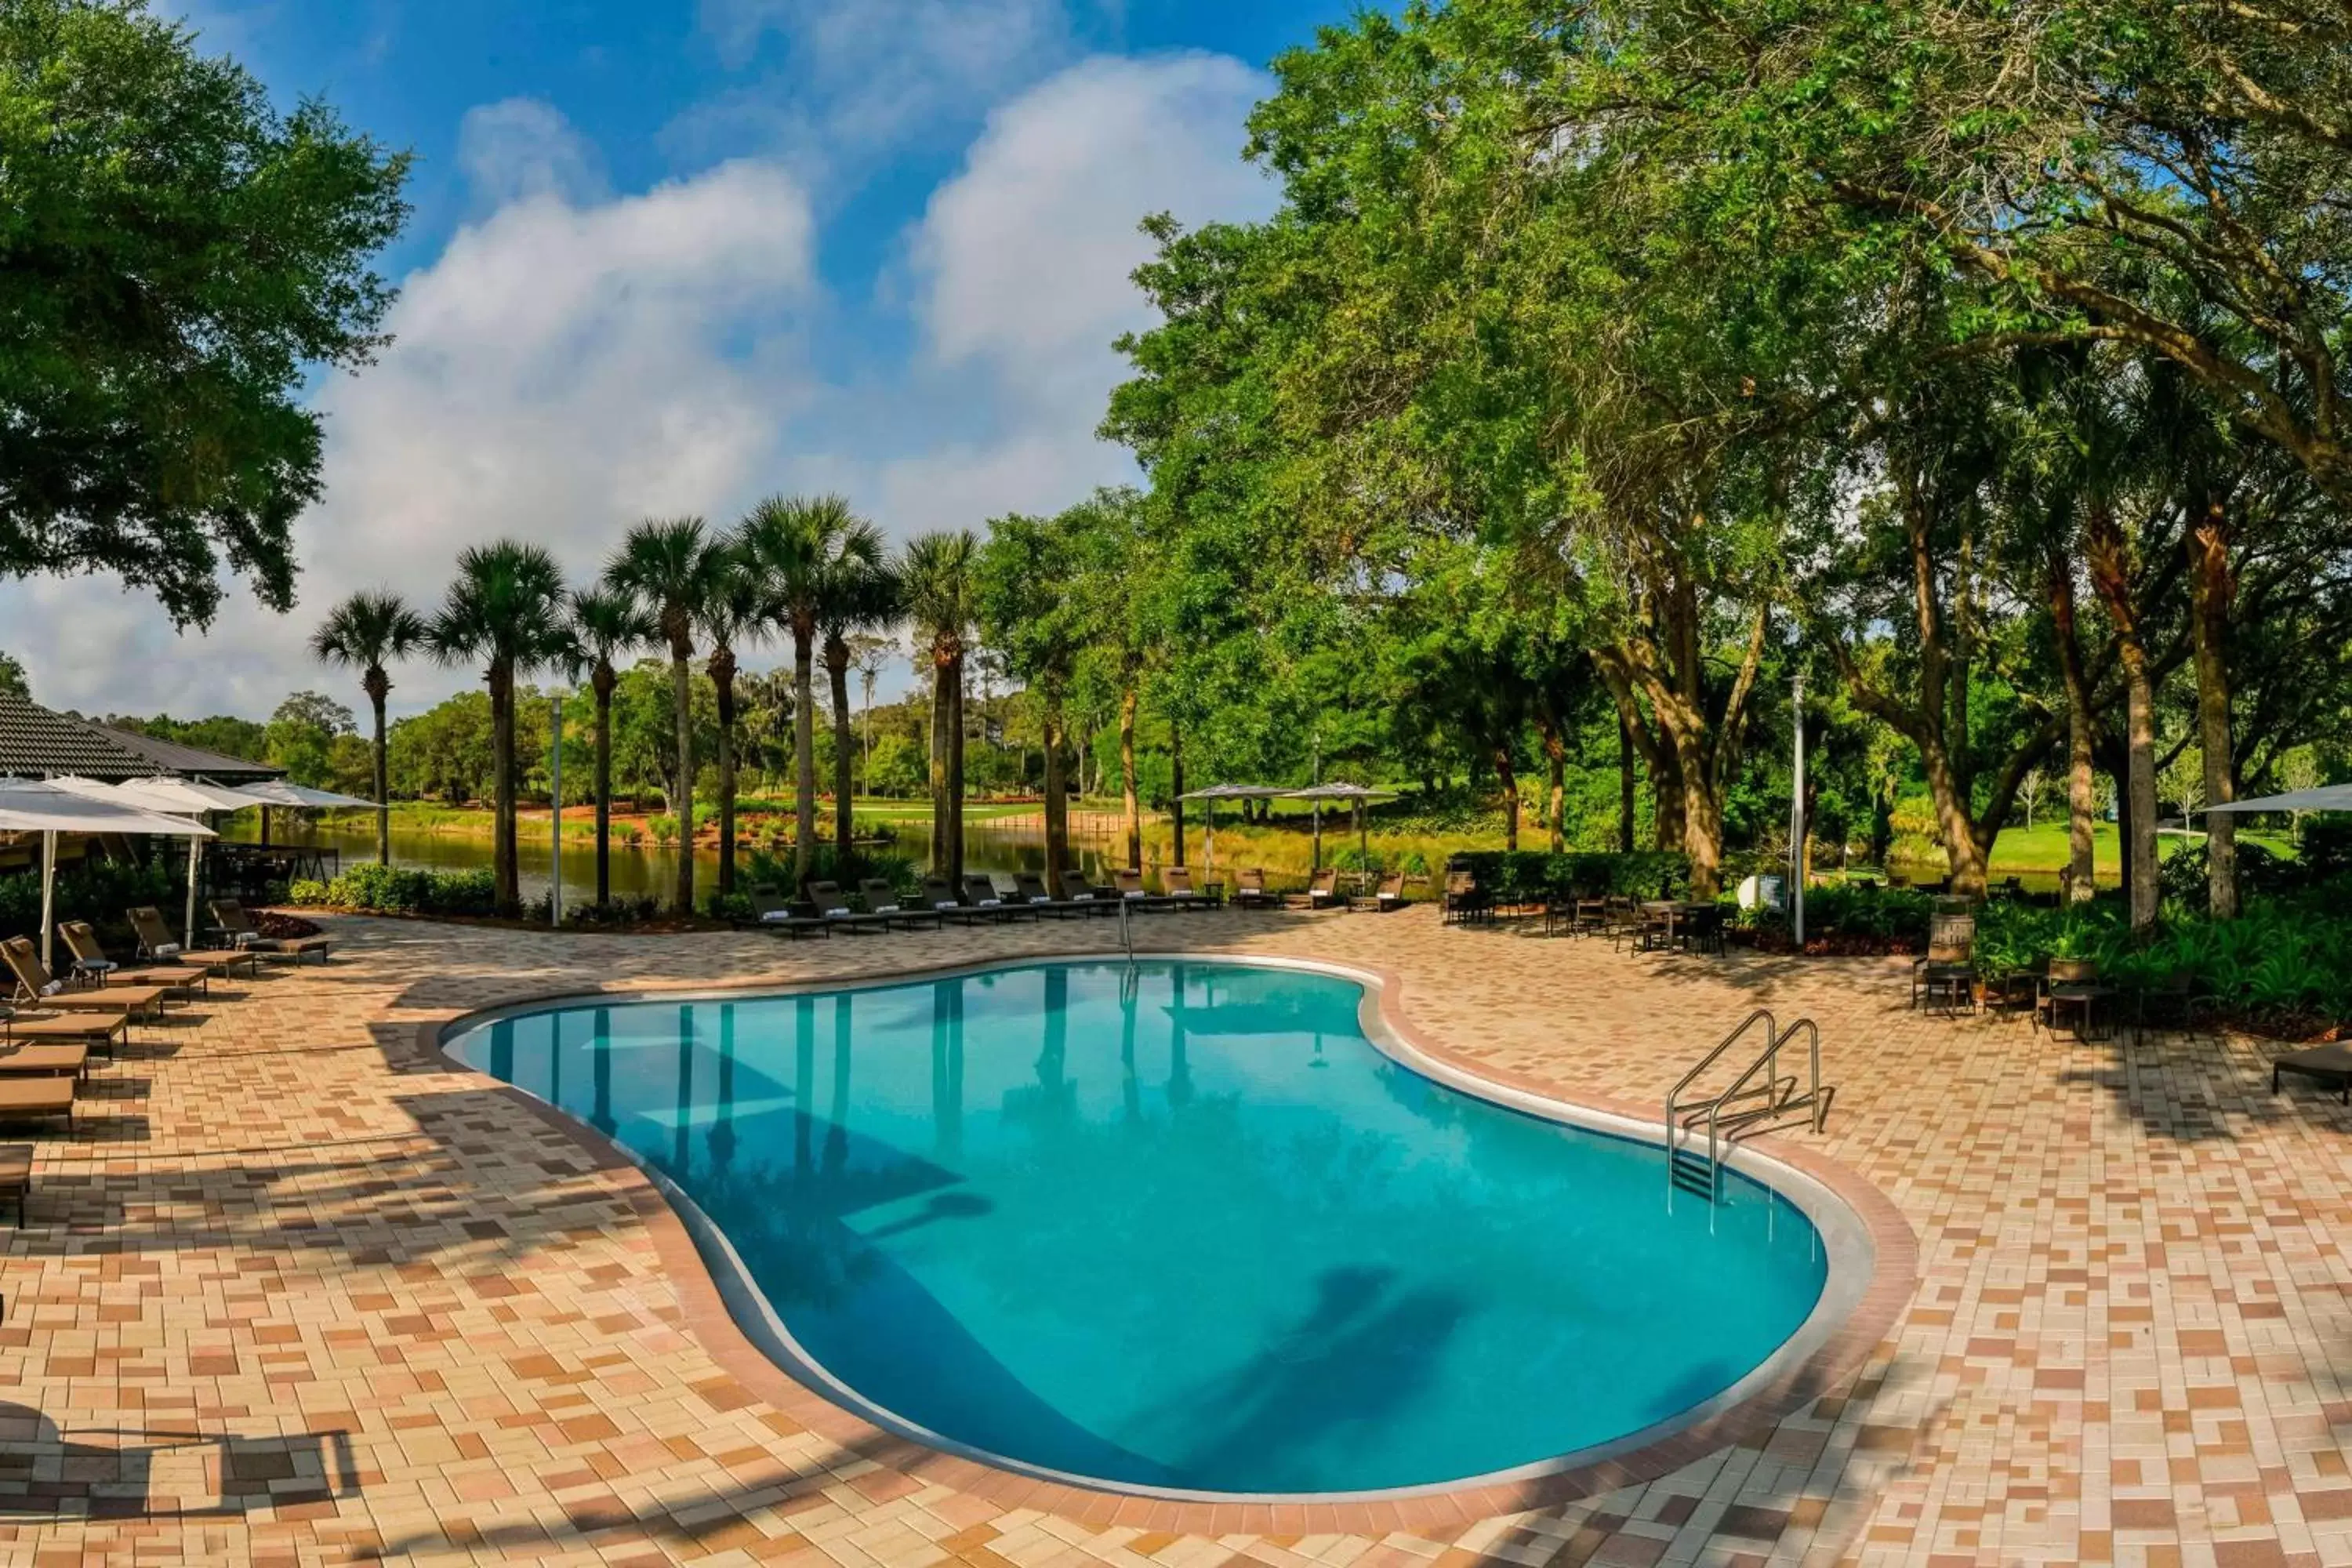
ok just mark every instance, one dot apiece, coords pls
pixel 2041 851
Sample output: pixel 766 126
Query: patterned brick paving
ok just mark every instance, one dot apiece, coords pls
pixel 298 1293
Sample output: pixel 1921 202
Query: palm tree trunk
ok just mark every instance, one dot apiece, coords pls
pixel 1130 802
pixel 681 691
pixel 505 874
pixel 939 720
pixel 955 770
pixel 383 780
pixel 1508 777
pixel 844 821
pixel 722 679
pixel 2108 573
pixel 1057 798
pixel 604 687
pixel 2081 879
pixel 1176 790
pixel 2208 548
pixel 803 752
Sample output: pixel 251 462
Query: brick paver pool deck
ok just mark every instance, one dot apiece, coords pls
pixel 299 1292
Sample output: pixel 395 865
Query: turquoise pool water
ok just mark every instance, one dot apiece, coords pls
pixel 1183 1227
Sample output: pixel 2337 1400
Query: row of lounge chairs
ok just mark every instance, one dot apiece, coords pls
pixel 825 910
pixel 52 1024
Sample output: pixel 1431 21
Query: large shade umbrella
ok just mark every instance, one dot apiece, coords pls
pixel 179 798
pixel 1216 792
pixel 301 797
pixel 2327 797
pixel 1355 794
pixel 50 808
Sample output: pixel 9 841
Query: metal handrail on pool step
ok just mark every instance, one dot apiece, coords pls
pixel 1775 1096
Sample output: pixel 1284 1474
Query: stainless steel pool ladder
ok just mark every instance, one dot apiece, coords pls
pixel 1761 1097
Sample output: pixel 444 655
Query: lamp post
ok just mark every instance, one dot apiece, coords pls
pixel 1797 826
pixel 555 808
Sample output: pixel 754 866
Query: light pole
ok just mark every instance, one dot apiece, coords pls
pixel 1797 826
pixel 555 807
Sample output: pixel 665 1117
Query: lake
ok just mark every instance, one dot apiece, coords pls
pixel 647 869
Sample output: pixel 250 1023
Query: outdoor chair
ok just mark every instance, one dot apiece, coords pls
pixel 1388 896
pixel 834 908
pixel 1096 897
pixel 1947 971
pixel 1466 903
pixel 882 901
pixel 157 946
pixel 230 919
pixel 939 895
pixel 1249 889
pixel 35 985
pixel 1322 893
pixel 772 912
pixel 1135 896
pixel 1176 888
pixel 2170 1005
pixel 981 894
pixel 51 1059
pixel 96 1030
pixel 38 1099
pixel 2329 1066
pixel 91 965
pixel 1029 888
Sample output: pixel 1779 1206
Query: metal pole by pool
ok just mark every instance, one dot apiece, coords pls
pixel 1317 778
pixel 195 850
pixel 1797 826
pixel 49 892
pixel 555 808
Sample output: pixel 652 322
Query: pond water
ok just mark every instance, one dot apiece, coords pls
pixel 1178 1225
pixel 645 871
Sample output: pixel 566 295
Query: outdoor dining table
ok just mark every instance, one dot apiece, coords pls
pixel 1681 919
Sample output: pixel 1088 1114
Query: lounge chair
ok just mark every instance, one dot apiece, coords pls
pixel 1388 896
pixel 979 892
pixel 1249 889
pixel 1088 897
pixel 1135 895
pixel 16 1176
pixel 939 896
pixel 157 946
pixel 99 1031
pixel 834 907
pixel 1029 888
pixel 1322 893
pixel 90 964
pixel 44 1061
pixel 1176 887
pixel 35 985
pixel 772 912
pixel 34 1099
pixel 2329 1066
pixel 230 919
pixel 882 902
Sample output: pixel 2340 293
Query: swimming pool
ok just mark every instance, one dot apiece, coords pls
pixel 1177 1226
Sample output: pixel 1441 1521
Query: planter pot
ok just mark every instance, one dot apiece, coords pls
pixel 2072 971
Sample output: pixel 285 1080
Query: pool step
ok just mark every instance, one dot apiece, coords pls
pixel 1691 1170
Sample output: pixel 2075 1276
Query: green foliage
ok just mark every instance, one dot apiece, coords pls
pixel 395 890
pixel 2324 851
pixel 1863 909
pixel 98 890
pixel 12 676
pixel 301 736
pixel 896 768
pixel 180 257
pixel 1532 874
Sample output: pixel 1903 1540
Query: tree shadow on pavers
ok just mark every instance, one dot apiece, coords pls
pixel 163 1474
pixel 2192 1087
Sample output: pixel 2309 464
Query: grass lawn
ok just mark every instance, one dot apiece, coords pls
pixel 2041 851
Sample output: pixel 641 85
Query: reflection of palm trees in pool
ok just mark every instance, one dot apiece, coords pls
pixel 947 1069
pixel 1051 1101
pixel 722 1126
pixel 837 1131
pixel 685 1087
pixel 804 1070
pixel 1180 1065
pixel 601 1118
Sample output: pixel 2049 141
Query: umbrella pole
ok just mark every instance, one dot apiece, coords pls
pixel 1211 847
pixel 188 936
pixel 49 892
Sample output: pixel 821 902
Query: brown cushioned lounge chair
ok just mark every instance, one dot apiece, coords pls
pixel 92 966
pixel 34 986
pixel 231 921
pixel 882 903
pixel 35 1098
pixel 95 1030
pixel 44 1061
pixel 157 945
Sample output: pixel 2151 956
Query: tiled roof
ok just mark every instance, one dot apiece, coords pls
pixel 37 744
pixel 188 762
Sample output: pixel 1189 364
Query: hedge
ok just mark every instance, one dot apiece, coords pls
pixel 1511 875
pixel 395 890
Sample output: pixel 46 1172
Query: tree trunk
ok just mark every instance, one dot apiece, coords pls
pixel 682 692
pixel 1625 785
pixel 603 681
pixel 1176 802
pixel 1556 784
pixel 940 721
pixel 378 688
pixel 1130 800
pixel 1507 777
pixel 2109 573
pixel 1057 798
pixel 2082 878
pixel 505 872
pixel 2208 548
pixel 955 769
pixel 1947 792
pixel 722 678
pixel 844 816
pixel 803 750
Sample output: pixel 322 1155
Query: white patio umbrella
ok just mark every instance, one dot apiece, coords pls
pixel 1355 794
pixel 2327 797
pixel 1216 792
pixel 179 798
pixel 277 792
pixel 49 807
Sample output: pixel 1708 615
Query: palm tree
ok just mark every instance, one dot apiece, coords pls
pixel 506 609
pixel 736 610
pixel 794 543
pixel 368 631
pixel 941 598
pixel 605 626
pixel 862 597
pixel 668 567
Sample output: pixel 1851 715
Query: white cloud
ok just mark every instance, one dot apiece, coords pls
pixel 1022 265
pixel 560 370
pixel 523 147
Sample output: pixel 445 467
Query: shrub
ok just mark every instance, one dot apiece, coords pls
pixel 665 828
pixel 406 890
pixel 1513 875
pixel 96 890
pixel 619 912
pixel 1861 909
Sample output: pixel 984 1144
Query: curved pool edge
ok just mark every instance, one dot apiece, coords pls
pixel 1872 1274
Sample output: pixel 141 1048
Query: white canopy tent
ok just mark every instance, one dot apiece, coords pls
pixel 49 807
pixel 2327 797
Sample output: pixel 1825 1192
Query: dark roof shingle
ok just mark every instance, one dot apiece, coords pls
pixel 190 761
pixel 37 744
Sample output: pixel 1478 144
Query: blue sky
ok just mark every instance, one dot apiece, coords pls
pixel 671 257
